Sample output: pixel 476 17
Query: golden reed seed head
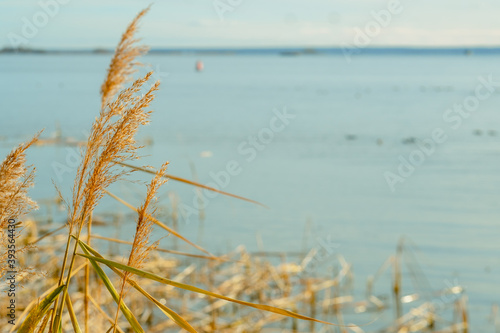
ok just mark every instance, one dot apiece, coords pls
pixel 123 65
pixel 141 246
pixel 110 143
pixel 15 180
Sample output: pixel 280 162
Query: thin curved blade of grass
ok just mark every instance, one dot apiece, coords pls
pixel 167 311
pixel 72 315
pixel 190 182
pixel 123 307
pixel 181 322
pixel 38 313
pixel 199 256
pixel 160 279
pixel 172 231
pixel 51 232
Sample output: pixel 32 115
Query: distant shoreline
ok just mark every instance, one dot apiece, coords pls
pixel 291 51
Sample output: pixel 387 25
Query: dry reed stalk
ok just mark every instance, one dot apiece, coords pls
pixel 141 246
pixel 174 216
pixel 87 281
pixel 103 313
pixel 464 315
pixel 397 279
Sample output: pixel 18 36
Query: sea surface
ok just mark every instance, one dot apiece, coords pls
pixel 322 171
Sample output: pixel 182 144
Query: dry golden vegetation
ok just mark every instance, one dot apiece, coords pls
pixel 79 281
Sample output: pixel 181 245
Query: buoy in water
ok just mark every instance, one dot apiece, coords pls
pixel 199 66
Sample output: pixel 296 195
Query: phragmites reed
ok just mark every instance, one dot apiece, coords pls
pixel 123 64
pixel 121 68
pixel 15 180
pixel 141 247
pixel 110 143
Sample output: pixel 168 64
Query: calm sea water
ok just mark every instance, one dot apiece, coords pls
pixel 351 124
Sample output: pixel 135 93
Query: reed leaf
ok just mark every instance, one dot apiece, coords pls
pixel 115 240
pixel 72 315
pixel 167 311
pixel 29 310
pixel 134 323
pixel 190 182
pixel 154 277
pixel 39 312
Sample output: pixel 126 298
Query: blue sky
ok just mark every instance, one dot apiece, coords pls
pixel 246 23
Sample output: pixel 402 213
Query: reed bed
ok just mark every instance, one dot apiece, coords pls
pixel 283 281
pixel 76 280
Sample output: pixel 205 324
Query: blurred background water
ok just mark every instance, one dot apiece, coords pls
pixel 326 168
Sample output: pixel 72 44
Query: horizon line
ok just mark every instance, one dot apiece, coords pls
pixel 236 48
pixel 280 51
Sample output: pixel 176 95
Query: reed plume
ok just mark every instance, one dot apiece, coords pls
pixel 122 65
pixel 110 143
pixel 15 180
pixel 121 68
pixel 141 247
